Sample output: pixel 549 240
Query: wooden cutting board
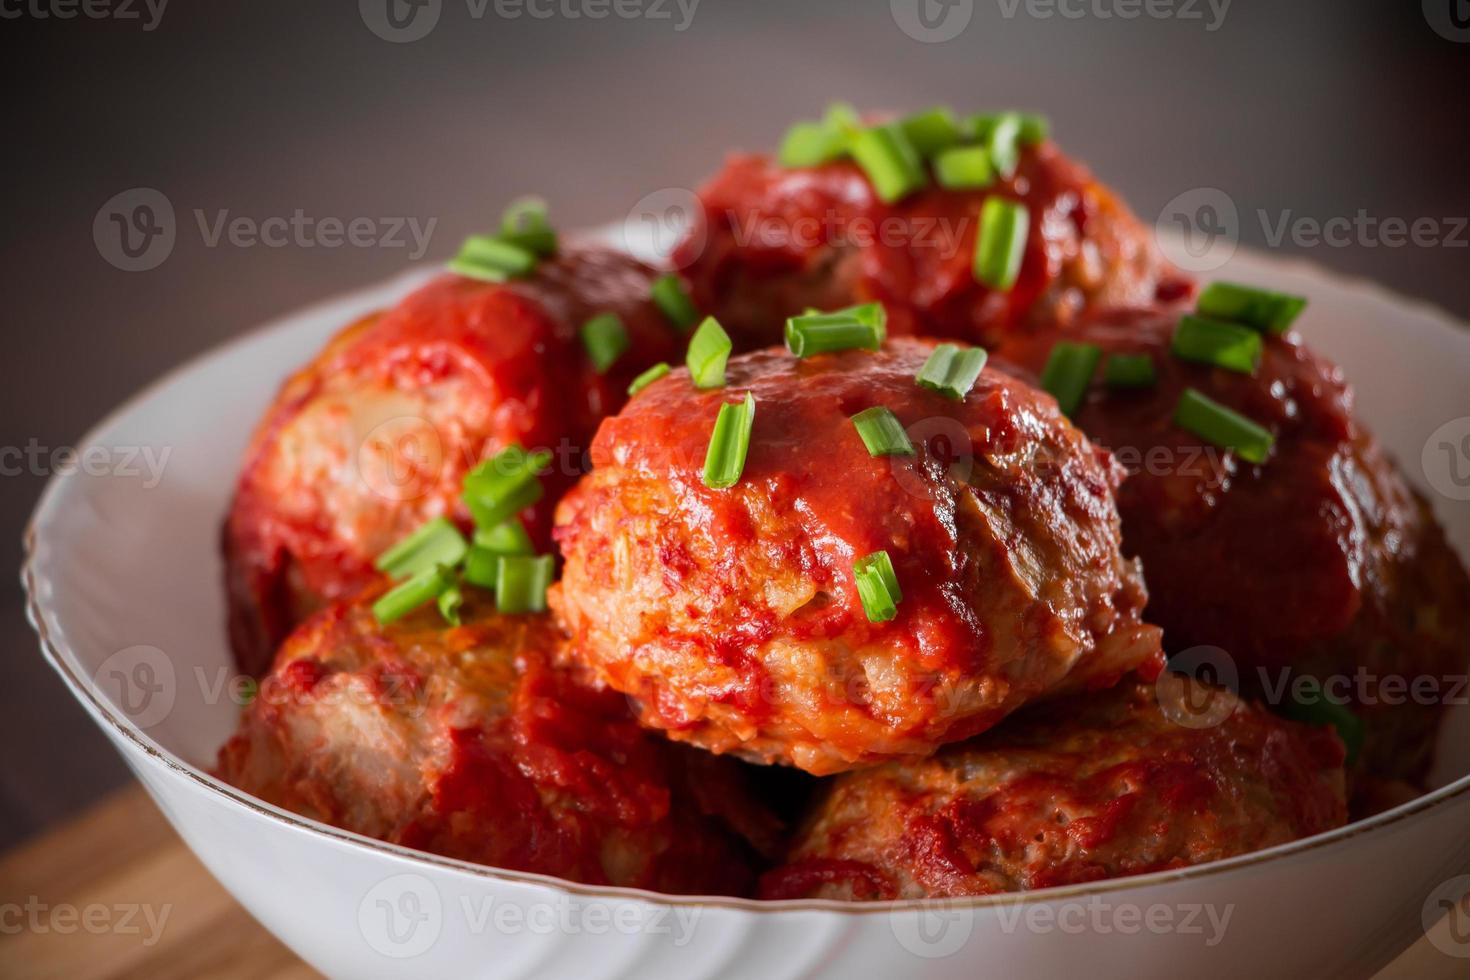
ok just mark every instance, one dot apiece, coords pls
pixel 115 894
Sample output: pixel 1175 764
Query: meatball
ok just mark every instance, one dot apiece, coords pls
pixel 1319 563
pixel 466 742
pixel 774 241
pixel 374 436
pixel 732 617
pixel 1093 787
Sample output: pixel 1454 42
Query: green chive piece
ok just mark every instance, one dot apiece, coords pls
pixel 1035 128
pixel 1003 140
pixel 931 130
pixel 890 161
pixel 504 485
pixel 492 259
pixel 508 538
pixel 1215 342
pixel 1129 371
pixel 521 583
pixel 1068 372
pixel 524 223
pixel 407 596
pixel 669 296
pixel 952 370
pixel 1314 707
pixel 843 118
pixel 964 168
pixel 647 378
pixel 450 601
pixel 1001 243
pixel 882 432
pixel 438 542
pixel 1263 309
pixel 729 444
pixel 606 340
pixel 1222 427
pixel 877 586
pixel 709 351
pixel 862 327
pixel 811 144
pixel 482 567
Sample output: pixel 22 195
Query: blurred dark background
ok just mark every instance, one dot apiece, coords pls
pixel 1312 108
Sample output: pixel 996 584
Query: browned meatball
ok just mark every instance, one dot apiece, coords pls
pixel 1320 562
pixel 466 742
pixel 732 616
pixel 375 435
pixel 1093 787
pixel 773 241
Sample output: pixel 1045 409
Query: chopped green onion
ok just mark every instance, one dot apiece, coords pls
pixel 437 542
pixel 407 596
pixel 952 370
pixel 1068 372
pixel 647 378
pixel 1129 371
pixel 729 444
pixel 669 295
pixel 1215 342
pixel 1035 128
pixel 843 118
pixel 811 144
pixel 882 432
pixel 524 223
pixel 449 602
pixel 877 586
pixel 508 538
pixel 1227 429
pixel 1003 140
pixel 931 130
pixel 890 161
pixel 1262 309
pixel 964 168
pixel 492 259
pixel 482 567
pixel 1314 707
pixel 606 340
pixel 1001 242
pixel 521 582
pixel 503 486
pixel 862 327
pixel 709 351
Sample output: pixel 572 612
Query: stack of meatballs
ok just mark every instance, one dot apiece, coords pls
pixel 1044 564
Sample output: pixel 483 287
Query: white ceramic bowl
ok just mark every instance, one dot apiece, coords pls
pixel 124 582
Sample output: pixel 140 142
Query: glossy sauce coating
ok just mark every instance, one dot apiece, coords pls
pixel 375 435
pixel 1101 786
pixel 774 241
pixel 466 742
pixel 732 615
pixel 1321 561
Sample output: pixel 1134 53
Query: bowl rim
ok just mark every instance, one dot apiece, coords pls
pixel 63 660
